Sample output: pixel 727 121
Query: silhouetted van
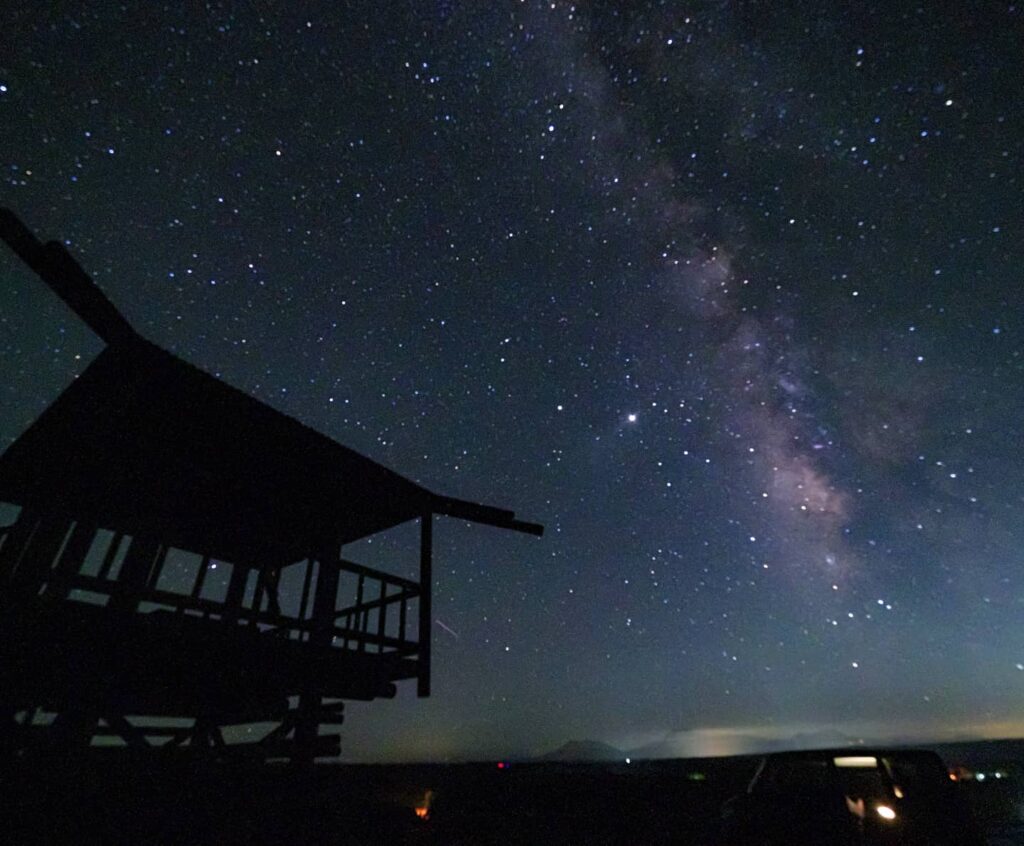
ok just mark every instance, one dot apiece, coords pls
pixel 850 796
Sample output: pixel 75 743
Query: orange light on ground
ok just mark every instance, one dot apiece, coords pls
pixel 423 808
pixel 953 777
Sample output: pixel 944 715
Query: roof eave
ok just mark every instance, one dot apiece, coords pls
pixel 486 514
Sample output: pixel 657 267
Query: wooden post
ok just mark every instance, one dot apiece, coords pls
pixel 360 614
pixel 75 550
pixel 34 566
pixel 235 593
pixel 426 585
pixel 304 610
pixel 272 586
pixel 108 558
pixel 402 612
pixel 257 596
pixel 307 714
pixel 19 537
pixel 144 557
pixel 325 598
pixel 197 585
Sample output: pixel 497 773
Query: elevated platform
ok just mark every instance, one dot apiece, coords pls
pixel 157 514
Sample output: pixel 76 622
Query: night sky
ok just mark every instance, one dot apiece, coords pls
pixel 727 295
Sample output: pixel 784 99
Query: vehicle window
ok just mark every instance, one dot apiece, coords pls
pixel 795 776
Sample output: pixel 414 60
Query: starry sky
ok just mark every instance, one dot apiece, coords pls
pixel 727 295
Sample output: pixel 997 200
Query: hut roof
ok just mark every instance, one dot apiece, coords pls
pixel 147 443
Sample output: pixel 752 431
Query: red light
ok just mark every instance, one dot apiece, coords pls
pixel 501 765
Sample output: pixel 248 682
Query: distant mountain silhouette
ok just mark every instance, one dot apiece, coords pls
pixel 584 750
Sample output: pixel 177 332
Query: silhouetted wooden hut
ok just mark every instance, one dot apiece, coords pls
pixel 159 511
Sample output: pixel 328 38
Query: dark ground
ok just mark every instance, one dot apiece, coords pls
pixel 114 799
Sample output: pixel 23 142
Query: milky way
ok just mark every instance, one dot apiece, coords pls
pixel 727 296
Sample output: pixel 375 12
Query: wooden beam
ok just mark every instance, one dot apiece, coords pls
pixel 486 514
pixel 426 589
pixel 65 277
pixel 120 727
pixel 380 575
pixel 377 603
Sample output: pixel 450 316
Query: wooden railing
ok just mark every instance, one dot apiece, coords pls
pixel 360 608
pixel 341 604
pixel 357 617
pixel 355 626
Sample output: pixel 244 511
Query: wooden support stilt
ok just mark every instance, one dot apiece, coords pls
pixel 325 596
